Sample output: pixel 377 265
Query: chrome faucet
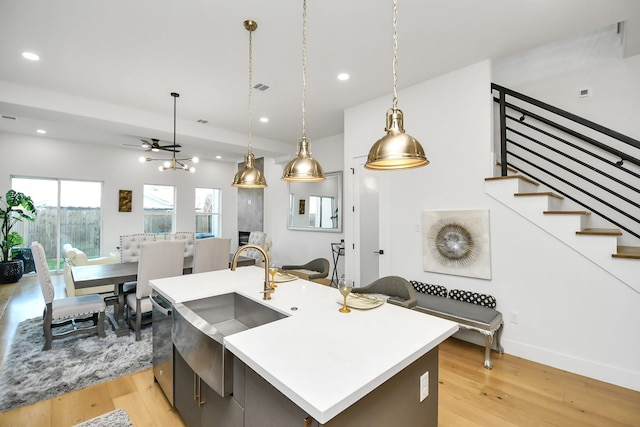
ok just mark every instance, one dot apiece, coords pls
pixel 234 263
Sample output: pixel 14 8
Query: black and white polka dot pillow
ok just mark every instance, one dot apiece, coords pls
pixel 473 298
pixel 427 288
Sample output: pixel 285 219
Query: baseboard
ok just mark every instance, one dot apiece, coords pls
pixel 598 371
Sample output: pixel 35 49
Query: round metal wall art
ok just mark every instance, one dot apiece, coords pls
pixel 457 242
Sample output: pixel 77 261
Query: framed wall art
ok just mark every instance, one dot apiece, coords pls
pixel 457 242
pixel 124 201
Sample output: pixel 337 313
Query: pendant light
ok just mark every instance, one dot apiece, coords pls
pixel 396 150
pixel 249 176
pixel 303 167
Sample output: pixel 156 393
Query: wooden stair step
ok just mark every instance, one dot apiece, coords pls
pixel 523 178
pixel 540 193
pixel 629 252
pixel 600 232
pixel 566 213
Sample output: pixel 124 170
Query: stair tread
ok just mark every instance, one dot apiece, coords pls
pixel 600 232
pixel 539 193
pixel 630 252
pixel 567 213
pixel 524 178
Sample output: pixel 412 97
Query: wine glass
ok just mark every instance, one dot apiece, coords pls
pixel 273 270
pixel 345 286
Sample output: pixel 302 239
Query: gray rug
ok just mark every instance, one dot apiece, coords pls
pixel 117 418
pixel 30 374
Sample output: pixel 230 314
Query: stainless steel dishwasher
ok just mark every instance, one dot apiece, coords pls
pixel 162 322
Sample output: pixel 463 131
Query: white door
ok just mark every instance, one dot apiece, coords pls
pixel 367 210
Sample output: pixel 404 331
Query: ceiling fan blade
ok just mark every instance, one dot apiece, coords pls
pixel 169 148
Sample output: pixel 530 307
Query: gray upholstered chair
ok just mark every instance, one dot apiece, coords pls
pixel 157 260
pixel 315 269
pixel 211 254
pixel 66 311
pixel 399 290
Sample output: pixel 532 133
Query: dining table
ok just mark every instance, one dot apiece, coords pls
pixel 88 276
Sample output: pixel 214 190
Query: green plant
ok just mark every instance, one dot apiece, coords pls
pixel 16 207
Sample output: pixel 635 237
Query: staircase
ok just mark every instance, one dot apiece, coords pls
pixel 555 215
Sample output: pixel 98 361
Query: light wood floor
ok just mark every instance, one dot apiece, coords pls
pixel 515 393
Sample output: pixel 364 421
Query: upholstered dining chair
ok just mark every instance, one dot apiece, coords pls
pixel 314 269
pixel 399 290
pixel 66 311
pixel 189 239
pixel 211 254
pixel 257 238
pixel 130 245
pixel 157 260
pixel 130 252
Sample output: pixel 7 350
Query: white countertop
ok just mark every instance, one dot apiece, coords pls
pixel 321 359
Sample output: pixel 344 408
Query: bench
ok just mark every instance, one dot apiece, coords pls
pixel 472 311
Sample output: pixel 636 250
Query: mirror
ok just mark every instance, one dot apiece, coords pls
pixel 316 206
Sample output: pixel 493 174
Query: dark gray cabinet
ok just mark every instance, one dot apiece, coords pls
pixel 198 404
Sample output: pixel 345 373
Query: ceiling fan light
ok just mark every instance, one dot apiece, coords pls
pixel 249 176
pixel 397 149
pixel 303 167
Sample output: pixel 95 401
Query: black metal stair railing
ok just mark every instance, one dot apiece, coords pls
pixel 594 166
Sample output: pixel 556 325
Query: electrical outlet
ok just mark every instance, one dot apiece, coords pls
pixel 514 317
pixel 424 386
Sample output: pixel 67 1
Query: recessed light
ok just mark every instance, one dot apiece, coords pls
pixel 42 131
pixel 343 76
pixel 30 56
pixel 219 157
pixel 264 119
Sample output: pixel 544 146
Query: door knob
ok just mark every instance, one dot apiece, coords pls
pixel 380 252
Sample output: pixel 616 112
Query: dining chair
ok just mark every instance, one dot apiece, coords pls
pixel 189 239
pixel 66 311
pixel 257 238
pixel 130 245
pixel 157 260
pixel 211 254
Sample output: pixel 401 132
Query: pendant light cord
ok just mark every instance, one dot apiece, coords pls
pixel 175 96
pixel 250 86
pixel 304 68
pixel 395 54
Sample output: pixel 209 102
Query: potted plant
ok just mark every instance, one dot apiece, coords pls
pixel 14 208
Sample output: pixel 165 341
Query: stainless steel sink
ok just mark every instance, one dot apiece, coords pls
pixel 200 326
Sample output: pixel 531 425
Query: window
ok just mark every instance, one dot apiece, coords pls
pixel 68 212
pixel 208 211
pixel 159 208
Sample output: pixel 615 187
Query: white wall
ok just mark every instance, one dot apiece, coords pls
pixel 118 169
pixel 573 315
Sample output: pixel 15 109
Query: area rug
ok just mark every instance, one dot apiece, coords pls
pixel 117 418
pixel 30 374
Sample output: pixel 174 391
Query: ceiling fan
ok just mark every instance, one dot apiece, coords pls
pixel 154 145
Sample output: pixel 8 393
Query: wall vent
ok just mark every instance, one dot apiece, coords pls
pixel 261 87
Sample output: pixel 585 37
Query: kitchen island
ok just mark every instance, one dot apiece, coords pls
pixel 331 368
